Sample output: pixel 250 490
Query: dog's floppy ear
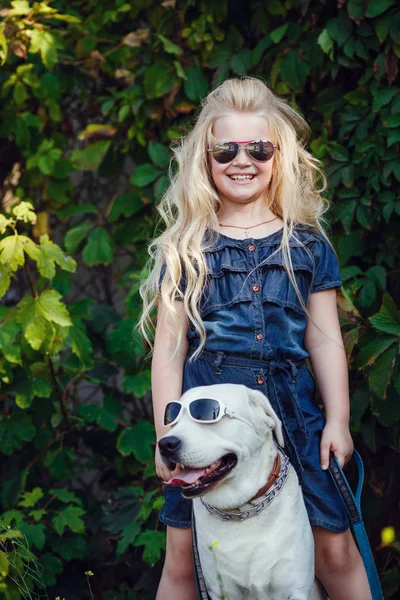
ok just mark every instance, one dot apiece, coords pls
pixel 259 399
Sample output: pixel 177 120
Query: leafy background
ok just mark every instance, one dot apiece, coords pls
pixel 92 94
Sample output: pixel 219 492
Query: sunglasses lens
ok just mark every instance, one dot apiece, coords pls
pixel 261 151
pixel 224 153
pixel 171 413
pixel 205 409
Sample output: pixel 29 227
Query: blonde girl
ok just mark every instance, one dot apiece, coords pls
pixel 243 281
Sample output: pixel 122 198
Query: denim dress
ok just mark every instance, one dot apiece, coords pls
pixel 255 328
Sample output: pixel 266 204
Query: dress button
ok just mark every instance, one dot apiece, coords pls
pixel 252 247
pixel 259 336
pixel 256 288
pixel 260 380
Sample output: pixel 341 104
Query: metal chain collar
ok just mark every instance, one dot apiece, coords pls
pixel 238 514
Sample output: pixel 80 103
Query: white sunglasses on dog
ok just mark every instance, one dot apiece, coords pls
pixel 201 410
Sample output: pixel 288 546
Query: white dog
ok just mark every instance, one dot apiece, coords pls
pixel 254 537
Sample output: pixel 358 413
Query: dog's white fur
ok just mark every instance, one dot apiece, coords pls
pixel 266 557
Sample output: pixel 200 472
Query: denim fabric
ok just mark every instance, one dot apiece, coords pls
pixel 255 336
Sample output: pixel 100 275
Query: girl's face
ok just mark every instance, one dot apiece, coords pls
pixel 228 178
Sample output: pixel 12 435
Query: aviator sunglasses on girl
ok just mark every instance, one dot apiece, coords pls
pixel 260 150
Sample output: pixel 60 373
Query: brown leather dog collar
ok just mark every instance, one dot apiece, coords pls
pixel 276 468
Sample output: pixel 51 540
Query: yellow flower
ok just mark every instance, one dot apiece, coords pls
pixel 388 536
pixel 215 544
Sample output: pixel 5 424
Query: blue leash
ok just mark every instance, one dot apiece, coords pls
pixel 354 509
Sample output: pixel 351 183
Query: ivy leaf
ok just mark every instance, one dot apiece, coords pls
pixel 368 293
pixel 154 544
pixel 52 566
pixel 15 431
pixel 377 7
pixel 137 440
pixel 378 275
pixel 75 236
pixel 70 517
pixel 37 515
pixel 51 308
pixel 81 345
pixel 129 535
pixel 98 250
pixel 381 372
pixel 12 252
pixel 137 384
pixel 371 351
pixel 29 499
pixel 144 175
pixel 196 84
pixel 65 496
pixel 158 80
pixel 159 154
pixel 91 157
pixel 34 325
pixel 45 43
pixel 388 318
pixel 9 342
pixel 340 28
pixel 60 463
pixel 127 204
pixel 70 547
pixel 35 534
pixel 50 255
pixel 294 71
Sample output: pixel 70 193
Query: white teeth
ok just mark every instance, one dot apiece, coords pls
pixel 241 177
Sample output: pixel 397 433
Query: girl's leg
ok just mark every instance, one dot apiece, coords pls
pixel 339 566
pixel 178 579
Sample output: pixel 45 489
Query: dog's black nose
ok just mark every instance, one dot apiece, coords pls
pixel 169 445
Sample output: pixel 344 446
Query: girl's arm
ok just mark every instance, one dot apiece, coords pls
pixel 166 372
pixel 329 364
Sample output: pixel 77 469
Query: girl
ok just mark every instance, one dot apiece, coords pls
pixel 244 280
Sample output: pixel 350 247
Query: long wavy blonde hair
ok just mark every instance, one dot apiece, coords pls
pixel 190 205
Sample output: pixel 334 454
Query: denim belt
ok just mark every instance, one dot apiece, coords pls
pixel 280 379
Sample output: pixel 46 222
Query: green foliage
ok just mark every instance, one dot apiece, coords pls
pixel 92 97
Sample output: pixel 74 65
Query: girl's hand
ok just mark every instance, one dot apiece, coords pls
pixel 336 438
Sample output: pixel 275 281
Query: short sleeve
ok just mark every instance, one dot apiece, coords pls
pixel 327 269
pixel 182 283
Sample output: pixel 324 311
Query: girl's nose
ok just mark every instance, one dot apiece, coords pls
pixel 242 157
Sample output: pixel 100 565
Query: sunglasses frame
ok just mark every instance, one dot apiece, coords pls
pixel 223 411
pixel 274 147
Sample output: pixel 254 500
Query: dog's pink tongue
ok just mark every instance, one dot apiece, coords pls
pixel 187 476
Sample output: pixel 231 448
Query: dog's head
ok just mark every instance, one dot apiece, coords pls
pixel 209 452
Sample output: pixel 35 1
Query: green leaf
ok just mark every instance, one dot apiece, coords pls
pixel 241 63
pixel 326 43
pixel 5 280
pixel 395 29
pixel 90 158
pixel 145 174
pixel 138 384
pixel 294 71
pixel 340 28
pixel 129 535
pixel 35 327
pixel 15 431
pixel 37 515
pixel 158 80
pixel 52 566
pixel 377 7
pixel 126 205
pixel 381 372
pixel 371 351
pixel 367 293
pixel 169 46
pixel 45 43
pixel 29 499
pixel 81 345
pixel 35 534
pixel 70 517
pixel 277 34
pixel 12 252
pixel 70 547
pixel 137 440
pixel 387 410
pixel 9 342
pixel 51 308
pixel 196 84
pixel 356 9
pixel 388 318
pixel 50 255
pixel 159 154
pixel 75 236
pixel 154 544
pixel 384 96
pixel 378 275
pixel 99 249
pixel 60 463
